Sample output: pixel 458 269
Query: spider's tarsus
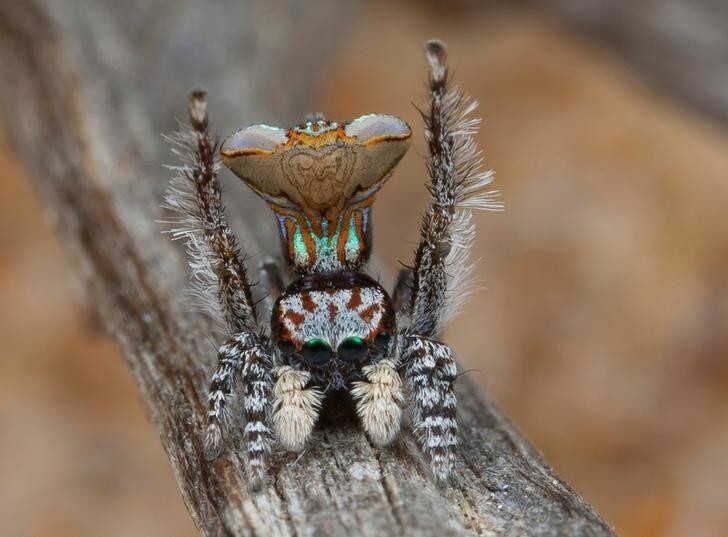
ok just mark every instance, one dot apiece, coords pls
pixel 197 109
pixel 212 445
pixel 436 52
pixel 441 471
pixel 256 477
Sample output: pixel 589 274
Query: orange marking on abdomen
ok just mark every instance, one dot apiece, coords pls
pixel 294 317
pixel 308 303
pixel 368 314
pixel 355 300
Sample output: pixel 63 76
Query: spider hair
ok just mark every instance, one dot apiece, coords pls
pixel 458 182
pixel 220 287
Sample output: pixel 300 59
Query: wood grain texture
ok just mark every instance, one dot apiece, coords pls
pixel 87 89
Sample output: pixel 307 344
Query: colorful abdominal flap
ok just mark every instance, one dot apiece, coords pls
pixel 320 179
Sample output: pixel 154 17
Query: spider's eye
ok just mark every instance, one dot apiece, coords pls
pixel 286 346
pixel 382 339
pixel 352 349
pixel 316 352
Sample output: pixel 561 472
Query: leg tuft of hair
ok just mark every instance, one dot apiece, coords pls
pixel 379 401
pixel 295 408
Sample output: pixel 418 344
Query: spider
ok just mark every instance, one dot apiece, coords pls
pixel 333 327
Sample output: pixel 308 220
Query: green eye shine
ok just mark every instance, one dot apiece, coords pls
pixel 316 352
pixel 352 349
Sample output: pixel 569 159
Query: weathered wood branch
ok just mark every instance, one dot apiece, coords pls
pixel 84 98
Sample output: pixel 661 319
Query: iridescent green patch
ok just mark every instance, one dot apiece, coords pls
pixel 299 247
pixel 325 244
pixel 352 241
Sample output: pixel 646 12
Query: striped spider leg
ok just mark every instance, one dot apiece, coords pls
pixel 221 286
pixel 432 291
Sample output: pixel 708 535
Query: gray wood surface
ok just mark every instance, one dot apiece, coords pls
pixel 88 87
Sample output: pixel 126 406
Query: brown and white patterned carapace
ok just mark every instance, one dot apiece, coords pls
pixel 344 314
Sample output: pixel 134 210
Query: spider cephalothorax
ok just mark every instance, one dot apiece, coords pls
pixel 334 307
pixel 333 327
pixel 334 323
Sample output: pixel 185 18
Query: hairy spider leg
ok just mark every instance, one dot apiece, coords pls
pixel 430 373
pixel 220 275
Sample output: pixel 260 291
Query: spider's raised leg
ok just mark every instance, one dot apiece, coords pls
pixel 221 283
pixel 241 352
pixel 457 184
pixel 295 407
pixel 441 268
pixel 219 274
pixel 379 400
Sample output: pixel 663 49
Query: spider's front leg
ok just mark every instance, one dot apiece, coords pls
pixel 430 371
pixel 241 352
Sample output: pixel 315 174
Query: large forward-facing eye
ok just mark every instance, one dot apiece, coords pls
pixel 316 352
pixel 352 349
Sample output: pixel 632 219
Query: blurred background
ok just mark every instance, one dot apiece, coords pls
pixel 601 325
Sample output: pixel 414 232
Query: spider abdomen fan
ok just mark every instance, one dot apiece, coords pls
pixel 320 178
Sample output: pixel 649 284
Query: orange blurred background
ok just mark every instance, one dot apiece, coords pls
pixel 601 325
